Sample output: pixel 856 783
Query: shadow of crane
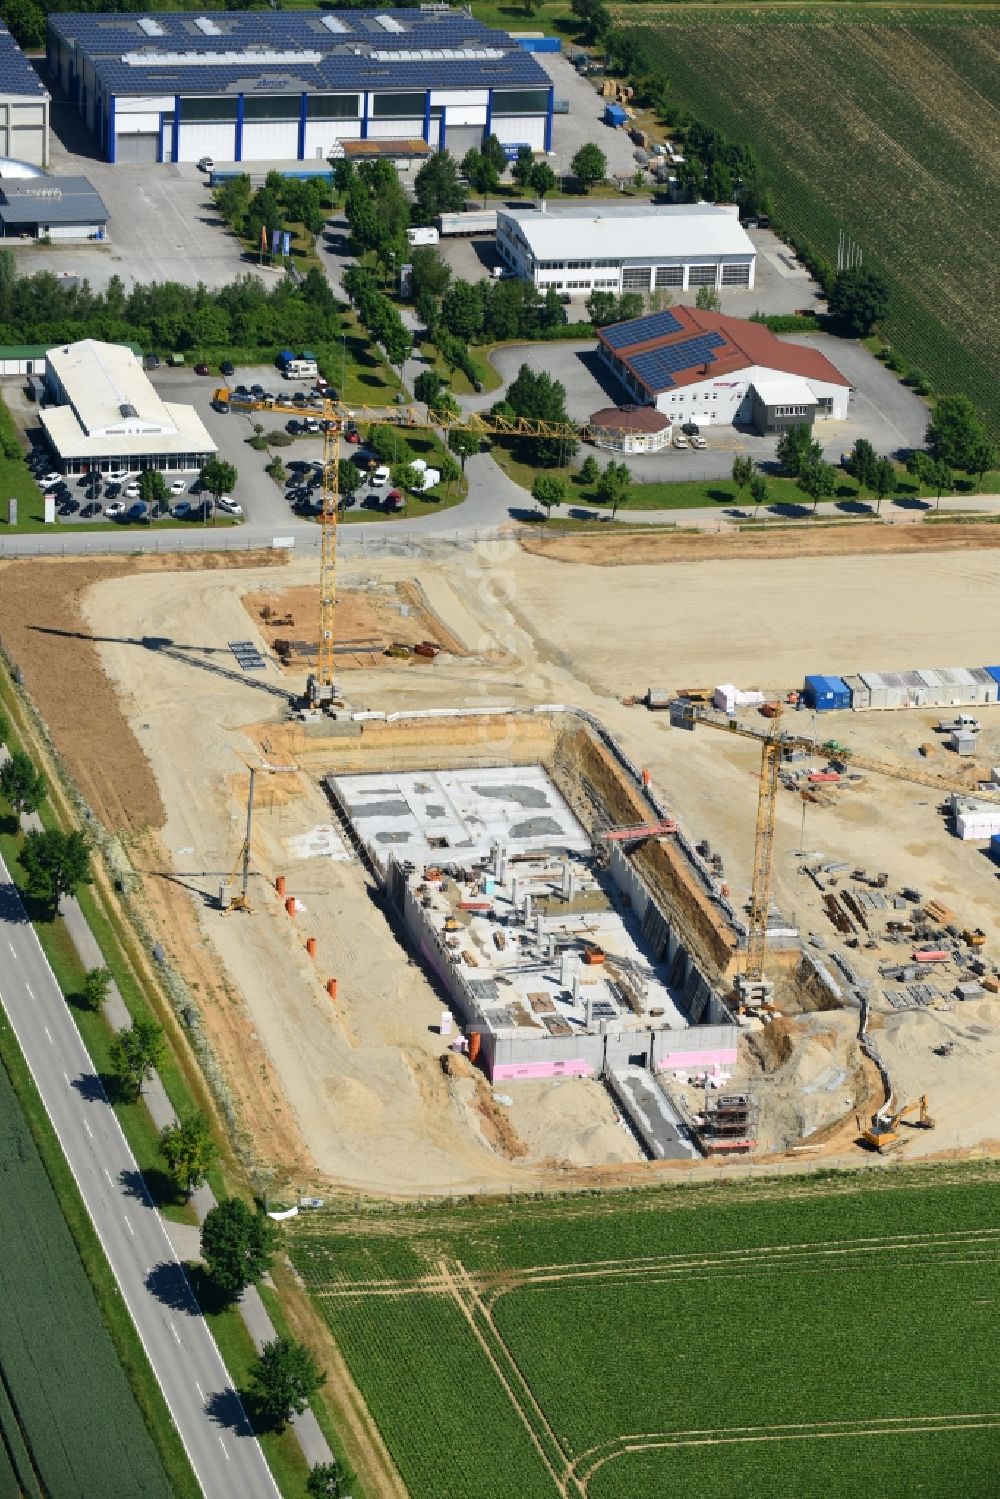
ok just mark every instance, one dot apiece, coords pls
pixel 162 645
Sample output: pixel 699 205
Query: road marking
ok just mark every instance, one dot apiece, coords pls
pixel 177 1336
pixel 28 988
pixel 11 946
pixel 107 1173
pixel 201 1392
pixel 128 1225
pixel 223 1446
pixel 66 1076
pixel 86 1125
pixel 48 1033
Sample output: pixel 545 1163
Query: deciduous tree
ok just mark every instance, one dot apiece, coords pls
pixel 818 480
pixel 95 987
pixel 758 492
pixel 436 187
pixel 613 486
pixel 548 490
pixel 463 444
pixel 796 449
pixel 136 1053
pixel 325 1481
pixel 522 167
pixel 859 300
pixel 589 165
pixel 237 1245
pixel 21 784
pixel 55 863
pixel 284 1378
pixel 543 179
pixel 189 1150
pixel 955 432
pixel 882 481
pixel 743 471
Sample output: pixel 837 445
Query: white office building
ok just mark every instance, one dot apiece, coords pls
pixel 107 418
pixel 579 248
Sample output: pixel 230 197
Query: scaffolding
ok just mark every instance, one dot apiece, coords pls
pixel 730 1126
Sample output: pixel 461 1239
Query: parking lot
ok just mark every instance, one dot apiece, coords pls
pixel 163 225
pixel 585 121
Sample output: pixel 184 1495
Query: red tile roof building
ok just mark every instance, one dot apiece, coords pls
pixel 705 367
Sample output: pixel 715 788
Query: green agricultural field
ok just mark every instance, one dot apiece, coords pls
pixel 69 1424
pixel 881 122
pixel 821 1338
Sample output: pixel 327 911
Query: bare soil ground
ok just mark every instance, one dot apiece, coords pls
pixel 370 620
pixel 637 549
pixel 353 1092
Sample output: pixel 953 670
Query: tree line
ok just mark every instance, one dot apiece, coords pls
pixel 42 309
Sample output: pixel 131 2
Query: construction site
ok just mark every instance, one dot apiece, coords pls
pixel 497 921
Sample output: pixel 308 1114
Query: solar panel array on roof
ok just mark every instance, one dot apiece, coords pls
pixel 17 76
pixel 639 330
pixel 656 368
pixel 358 53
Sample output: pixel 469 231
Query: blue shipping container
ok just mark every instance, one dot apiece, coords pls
pixel 994 672
pixel 995 847
pixel 614 115
pixel 826 694
pixel 539 43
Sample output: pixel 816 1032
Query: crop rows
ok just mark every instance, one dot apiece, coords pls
pixel 893 1466
pixel 67 1391
pixel 697 1318
pixel 880 123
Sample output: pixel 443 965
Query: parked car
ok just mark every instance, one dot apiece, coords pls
pixel 380 477
pixel 241 390
pixel 679 441
pixel 91 509
pixel 292 427
pixel 48 481
pixel 202 369
pixel 227 368
pixel 112 491
pixel 131 491
pixel 206 164
pixel 690 429
pixel 182 509
pixel 299 398
pixel 229 505
pixel 152 361
pixel 697 442
pixel 353 436
pixel 118 475
pixel 257 390
pixel 114 511
pixel 68 505
pixel 310 425
pixel 179 486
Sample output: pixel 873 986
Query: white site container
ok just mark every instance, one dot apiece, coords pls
pixel 878 696
pixel 861 697
pixel 936 695
pixel 986 687
pixel 916 689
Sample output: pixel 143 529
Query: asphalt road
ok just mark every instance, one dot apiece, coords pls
pixel 206 1409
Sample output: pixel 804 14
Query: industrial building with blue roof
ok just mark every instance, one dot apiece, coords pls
pixel 260 86
pixel 24 106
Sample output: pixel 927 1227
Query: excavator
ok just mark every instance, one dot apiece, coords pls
pixel 882 1134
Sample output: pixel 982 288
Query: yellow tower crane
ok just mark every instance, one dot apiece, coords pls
pixel 321 688
pixel 753 988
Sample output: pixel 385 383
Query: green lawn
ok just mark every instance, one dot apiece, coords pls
pixel 721 494
pixel 737 1327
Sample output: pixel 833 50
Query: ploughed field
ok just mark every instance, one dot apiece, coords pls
pixel 881 122
pixel 827 1338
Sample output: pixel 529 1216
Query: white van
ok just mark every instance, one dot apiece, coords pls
pixel 301 369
